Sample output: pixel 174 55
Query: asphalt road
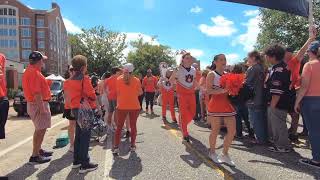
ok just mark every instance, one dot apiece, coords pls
pixel 160 155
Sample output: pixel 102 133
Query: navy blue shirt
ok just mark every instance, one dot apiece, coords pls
pixel 278 83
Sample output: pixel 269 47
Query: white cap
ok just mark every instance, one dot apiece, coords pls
pixel 128 67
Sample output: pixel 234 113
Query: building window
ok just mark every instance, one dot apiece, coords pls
pixel 12 43
pixel 40 22
pixel 12 12
pixel 25 21
pixel 25 54
pixel 12 21
pixel 25 32
pixel 3 32
pixel 41 34
pixel 12 32
pixel 4 11
pixel 13 54
pixel 26 43
pixel 4 43
pixel 3 21
pixel 41 44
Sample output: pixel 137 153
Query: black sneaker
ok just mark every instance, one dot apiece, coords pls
pixel 87 168
pixel 115 151
pixel 38 160
pixel 127 134
pixel 45 153
pixel 186 139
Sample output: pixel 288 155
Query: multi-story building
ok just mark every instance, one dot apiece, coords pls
pixel 23 30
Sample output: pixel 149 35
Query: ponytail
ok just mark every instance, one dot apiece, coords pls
pixel 126 78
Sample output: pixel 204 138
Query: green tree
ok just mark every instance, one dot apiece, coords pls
pixel 288 29
pixel 103 48
pixel 147 56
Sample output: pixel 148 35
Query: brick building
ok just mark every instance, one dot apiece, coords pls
pixel 23 30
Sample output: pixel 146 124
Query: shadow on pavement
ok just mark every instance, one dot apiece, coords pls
pixel 22 172
pixel 288 160
pixel 56 166
pixel 201 150
pixel 126 168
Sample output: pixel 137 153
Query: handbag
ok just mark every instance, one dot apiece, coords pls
pixel 85 113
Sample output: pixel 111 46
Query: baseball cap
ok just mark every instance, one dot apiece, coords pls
pixel 37 56
pixel 128 67
pixel 314 46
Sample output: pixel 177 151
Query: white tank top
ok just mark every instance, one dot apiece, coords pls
pixel 186 78
pixel 217 77
pixel 167 85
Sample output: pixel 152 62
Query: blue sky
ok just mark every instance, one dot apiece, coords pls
pixel 204 27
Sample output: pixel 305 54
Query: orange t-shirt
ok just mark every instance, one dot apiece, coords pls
pixel 3 84
pixel 75 90
pixel 198 76
pixel 33 82
pixel 111 83
pixel 128 95
pixel 294 67
pixel 150 83
pixel 311 72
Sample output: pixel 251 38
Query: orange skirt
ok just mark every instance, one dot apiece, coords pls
pixel 220 106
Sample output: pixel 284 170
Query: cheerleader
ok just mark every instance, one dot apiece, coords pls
pixel 186 83
pixel 167 95
pixel 220 108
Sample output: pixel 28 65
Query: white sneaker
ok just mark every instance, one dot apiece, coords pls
pixel 71 149
pixel 214 157
pixel 226 159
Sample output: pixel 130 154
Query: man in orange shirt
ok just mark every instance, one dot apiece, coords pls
pixel 149 85
pixel 294 61
pixel 4 103
pixel 37 93
pixel 110 85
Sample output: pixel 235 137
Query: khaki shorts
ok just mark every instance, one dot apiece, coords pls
pixel 40 121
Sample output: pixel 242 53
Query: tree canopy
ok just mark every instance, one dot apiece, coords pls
pixel 102 47
pixel 287 29
pixel 148 56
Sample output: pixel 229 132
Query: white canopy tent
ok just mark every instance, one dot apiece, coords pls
pixel 55 78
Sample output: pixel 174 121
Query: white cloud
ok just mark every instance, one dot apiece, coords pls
pixel 249 38
pixel 148 4
pixel 196 10
pixel 221 27
pixel 233 59
pixel 196 52
pixel 30 7
pixel 71 28
pixel 251 13
pixel 132 36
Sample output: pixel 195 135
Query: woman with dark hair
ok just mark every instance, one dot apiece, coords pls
pixel 220 108
pixel 309 99
pixel 255 77
pixel 128 90
pixel 241 108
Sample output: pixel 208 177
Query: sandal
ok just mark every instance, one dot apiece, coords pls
pixel 309 162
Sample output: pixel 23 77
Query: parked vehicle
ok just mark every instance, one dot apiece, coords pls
pixel 56 102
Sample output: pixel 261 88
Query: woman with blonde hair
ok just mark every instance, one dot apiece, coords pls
pixel 128 90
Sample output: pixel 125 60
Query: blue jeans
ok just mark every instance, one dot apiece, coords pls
pixel 242 114
pixel 310 107
pixel 81 143
pixel 258 119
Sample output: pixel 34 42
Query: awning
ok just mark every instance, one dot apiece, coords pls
pixel 297 7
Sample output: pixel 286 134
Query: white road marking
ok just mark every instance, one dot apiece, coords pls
pixel 13 147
